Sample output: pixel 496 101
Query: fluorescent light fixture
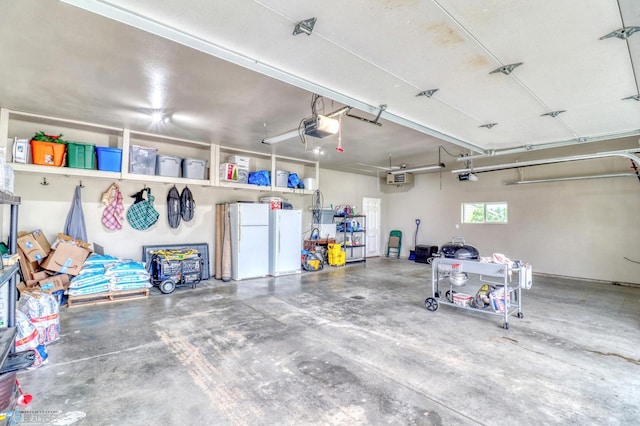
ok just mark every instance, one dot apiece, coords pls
pixel 417 169
pixel 281 137
pixel 625 153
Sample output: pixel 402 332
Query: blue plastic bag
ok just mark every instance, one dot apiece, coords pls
pixel 260 177
pixel 294 180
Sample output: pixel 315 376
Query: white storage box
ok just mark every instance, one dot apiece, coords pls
pixel 282 178
pixel 274 202
pixel 142 160
pixel 228 172
pixel 240 162
pixel 194 168
pixel 462 299
pixel 167 165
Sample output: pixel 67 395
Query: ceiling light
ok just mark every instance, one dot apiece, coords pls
pixel 417 169
pixel 553 113
pixel 159 117
pixel 281 137
pixel 622 33
pixel 321 126
pixel 305 26
pixel 506 69
pixel 428 93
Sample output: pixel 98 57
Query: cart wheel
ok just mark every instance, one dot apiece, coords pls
pixel 167 286
pixel 429 260
pixel 449 295
pixel 431 304
pixel 520 315
pixel 505 325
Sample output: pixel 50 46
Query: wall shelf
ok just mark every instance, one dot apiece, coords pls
pixel 23 124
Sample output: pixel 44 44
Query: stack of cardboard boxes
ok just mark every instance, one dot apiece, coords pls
pixel 242 167
pixel 50 268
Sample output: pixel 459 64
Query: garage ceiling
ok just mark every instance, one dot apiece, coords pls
pixel 232 72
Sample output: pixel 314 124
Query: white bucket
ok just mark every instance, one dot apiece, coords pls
pixel 309 183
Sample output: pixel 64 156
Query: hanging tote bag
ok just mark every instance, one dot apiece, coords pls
pixel 142 215
pixel 187 204
pixel 75 226
pixel 113 214
pixel 173 207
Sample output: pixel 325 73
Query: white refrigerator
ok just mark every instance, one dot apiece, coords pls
pixel 249 240
pixel 285 235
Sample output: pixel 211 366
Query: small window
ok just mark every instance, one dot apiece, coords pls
pixel 484 213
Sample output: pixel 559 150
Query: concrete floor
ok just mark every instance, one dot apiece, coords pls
pixel 345 346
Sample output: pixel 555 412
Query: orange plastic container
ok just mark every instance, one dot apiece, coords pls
pixel 47 153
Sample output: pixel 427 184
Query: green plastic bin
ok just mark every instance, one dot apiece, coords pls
pixel 81 155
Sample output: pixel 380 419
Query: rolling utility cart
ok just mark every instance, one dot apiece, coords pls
pixel 175 268
pixel 499 287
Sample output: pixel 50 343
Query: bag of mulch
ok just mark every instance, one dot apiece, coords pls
pixel 90 283
pixel 43 310
pixel 27 338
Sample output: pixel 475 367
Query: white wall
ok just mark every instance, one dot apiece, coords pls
pixel 575 228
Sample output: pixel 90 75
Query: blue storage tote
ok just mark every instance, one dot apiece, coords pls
pixel 142 160
pixel 109 159
pixel 194 168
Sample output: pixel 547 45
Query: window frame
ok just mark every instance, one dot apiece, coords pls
pixel 476 205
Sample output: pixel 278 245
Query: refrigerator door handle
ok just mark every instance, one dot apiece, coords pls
pixel 239 225
pixel 279 245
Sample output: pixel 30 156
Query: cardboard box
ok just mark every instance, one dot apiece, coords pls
pixel 239 161
pixel 228 172
pixel 71 240
pixel 34 245
pixel 28 268
pixel 275 203
pixel 40 275
pixel 54 283
pixel 66 258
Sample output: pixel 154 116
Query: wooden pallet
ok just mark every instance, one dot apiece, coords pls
pixel 110 297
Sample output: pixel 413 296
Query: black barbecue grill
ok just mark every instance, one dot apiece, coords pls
pixel 458 249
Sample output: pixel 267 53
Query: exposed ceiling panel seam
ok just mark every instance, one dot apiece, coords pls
pixel 145 24
pixel 495 58
pixel 416 86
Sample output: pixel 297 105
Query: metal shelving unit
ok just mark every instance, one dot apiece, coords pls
pixel 454 275
pixel 351 233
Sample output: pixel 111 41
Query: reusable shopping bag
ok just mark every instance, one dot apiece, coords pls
pixel 75 226
pixel 113 214
pixel 141 214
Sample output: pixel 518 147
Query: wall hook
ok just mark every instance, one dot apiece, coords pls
pixel 44 182
pixel 81 185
